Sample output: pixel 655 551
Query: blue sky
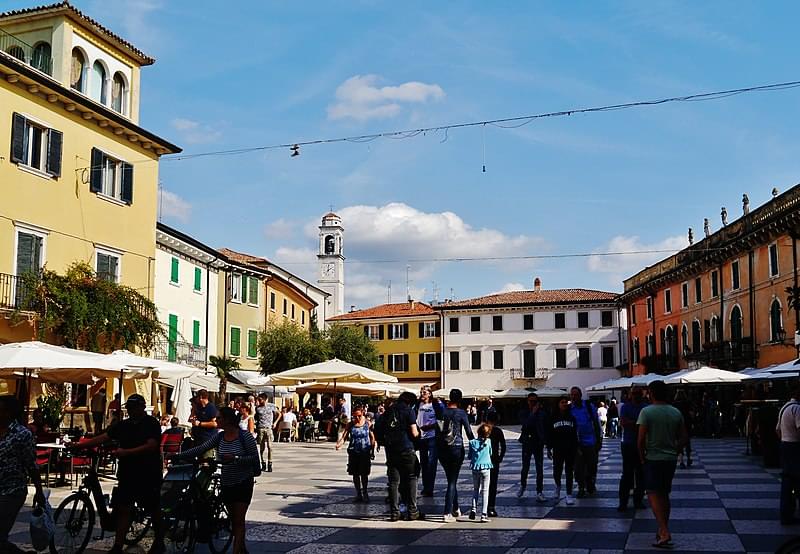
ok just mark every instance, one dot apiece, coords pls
pixel 254 73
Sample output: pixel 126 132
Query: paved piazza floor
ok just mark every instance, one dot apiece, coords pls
pixel 725 503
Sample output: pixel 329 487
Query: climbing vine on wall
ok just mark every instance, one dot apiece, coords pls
pixel 88 312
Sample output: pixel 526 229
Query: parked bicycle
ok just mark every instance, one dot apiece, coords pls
pixel 74 518
pixel 193 510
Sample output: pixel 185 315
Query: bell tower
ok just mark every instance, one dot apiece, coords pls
pixel 331 262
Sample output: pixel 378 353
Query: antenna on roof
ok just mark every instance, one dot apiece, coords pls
pixel 408 287
pixel 389 293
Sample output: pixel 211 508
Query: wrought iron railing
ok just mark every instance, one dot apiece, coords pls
pixel 729 354
pixel 180 352
pixel 12 292
pixel 38 57
pixel 532 374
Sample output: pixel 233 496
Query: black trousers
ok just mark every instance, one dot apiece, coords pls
pixel 632 475
pixel 537 451
pixel 586 468
pixel 564 460
pixel 494 474
pixel 402 470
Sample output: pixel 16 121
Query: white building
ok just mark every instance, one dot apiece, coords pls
pixel 537 338
pixel 331 267
pixel 186 296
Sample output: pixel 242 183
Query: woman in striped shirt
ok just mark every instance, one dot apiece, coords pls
pixel 238 450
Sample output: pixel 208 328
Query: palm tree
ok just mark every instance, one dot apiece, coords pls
pixel 224 366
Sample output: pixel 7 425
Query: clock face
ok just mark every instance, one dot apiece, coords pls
pixel 328 270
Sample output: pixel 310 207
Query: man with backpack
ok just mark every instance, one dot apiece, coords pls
pixel 396 432
pixel 589 443
pixel 533 437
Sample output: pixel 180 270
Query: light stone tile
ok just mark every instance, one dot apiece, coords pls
pixel 595 525
pixel 470 537
pixel 688 513
pixel 288 533
pixel 346 549
pixel 747 487
pixel 749 502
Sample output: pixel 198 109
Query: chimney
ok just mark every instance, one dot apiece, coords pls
pixel 411 302
pixel 352 308
pixel 537 284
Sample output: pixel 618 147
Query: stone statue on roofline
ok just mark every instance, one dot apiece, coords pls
pixel 724 215
pixel 691 236
pixel 745 204
pixel 706 227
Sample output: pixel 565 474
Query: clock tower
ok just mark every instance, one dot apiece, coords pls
pixel 331 262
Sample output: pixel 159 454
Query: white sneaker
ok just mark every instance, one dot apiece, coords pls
pixel 541 497
pixel 448 518
pixel 521 492
pixel 484 519
pixel 457 512
pixel 557 495
pixel 570 500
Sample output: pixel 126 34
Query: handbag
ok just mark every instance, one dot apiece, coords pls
pixel 42 526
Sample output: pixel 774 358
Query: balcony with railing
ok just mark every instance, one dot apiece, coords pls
pixel 729 354
pixel 180 352
pixel 12 292
pixel 38 57
pixel 530 374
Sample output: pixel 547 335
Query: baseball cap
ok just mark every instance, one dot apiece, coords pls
pixel 136 399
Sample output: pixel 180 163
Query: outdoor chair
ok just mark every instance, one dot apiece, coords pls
pixel 285 428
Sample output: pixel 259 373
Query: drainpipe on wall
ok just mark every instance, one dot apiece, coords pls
pixel 721 329
pixel 225 318
pixel 441 347
pixel 653 318
pixel 619 334
pixel 794 263
pixel 208 300
pixel 752 302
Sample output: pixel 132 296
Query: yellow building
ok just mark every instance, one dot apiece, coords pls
pixel 79 175
pixel 407 336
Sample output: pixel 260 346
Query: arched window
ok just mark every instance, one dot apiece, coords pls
pixel 330 244
pixel 775 321
pixel 98 84
pixel 42 57
pixel 635 351
pixel 736 324
pixel 697 337
pixel 685 339
pixel 669 340
pixel 118 93
pixel 650 345
pixel 77 75
pixel 713 329
pixel 17 52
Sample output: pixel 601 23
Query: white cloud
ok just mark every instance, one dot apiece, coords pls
pixel 510 287
pixel 172 205
pixel 194 132
pixel 279 229
pixel 400 234
pixel 360 98
pixel 622 266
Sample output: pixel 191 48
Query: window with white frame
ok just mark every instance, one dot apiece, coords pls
pixel 111 177
pixel 429 361
pixel 667 301
pixel 398 363
pixel 429 329
pixel 236 288
pixel 561 357
pixel 584 357
pixel 455 360
pixel 649 304
pixel 608 356
pixel 374 332
pixel 107 266
pixel 497 359
pixel 35 145
pixel 684 295
pixel 398 331
pixel 635 351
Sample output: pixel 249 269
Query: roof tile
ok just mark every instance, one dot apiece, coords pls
pixel 533 297
pixel 404 309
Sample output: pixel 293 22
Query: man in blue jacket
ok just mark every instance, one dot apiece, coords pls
pixel 429 409
pixel 589 443
pixel 533 436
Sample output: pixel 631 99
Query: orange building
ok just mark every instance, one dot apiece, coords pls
pixel 723 300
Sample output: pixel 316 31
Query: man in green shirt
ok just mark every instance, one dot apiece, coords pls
pixel 662 434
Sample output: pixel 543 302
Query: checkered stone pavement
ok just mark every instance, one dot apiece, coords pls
pixel 726 502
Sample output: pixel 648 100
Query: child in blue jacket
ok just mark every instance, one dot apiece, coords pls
pixel 480 459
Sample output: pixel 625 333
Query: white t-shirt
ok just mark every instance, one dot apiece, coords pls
pixel 789 422
pixel 290 417
pixel 602 413
pixel 426 416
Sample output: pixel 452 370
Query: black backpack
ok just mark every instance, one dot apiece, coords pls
pixel 447 435
pixel 391 431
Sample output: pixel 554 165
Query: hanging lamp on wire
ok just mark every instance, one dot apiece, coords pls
pixel 483 135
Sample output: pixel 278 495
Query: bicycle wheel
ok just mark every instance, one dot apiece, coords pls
pixel 74 522
pixel 179 533
pixel 140 525
pixel 221 536
pixel 792 546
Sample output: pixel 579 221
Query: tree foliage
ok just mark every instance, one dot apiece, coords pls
pixel 52 404
pixel 224 366
pixel 352 345
pixel 87 312
pixel 793 298
pixel 288 346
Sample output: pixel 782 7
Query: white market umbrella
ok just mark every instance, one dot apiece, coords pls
pixel 544 392
pixel 704 376
pixel 606 385
pixel 207 382
pixel 124 360
pixel 181 398
pixel 359 389
pixel 333 370
pixel 790 366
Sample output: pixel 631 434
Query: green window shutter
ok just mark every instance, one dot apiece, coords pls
pixel 172 338
pixel 96 171
pixel 174 273
pixel 195 333
pixel 236 349
pixel 198 278
pixel 244 289
pixel 253 290
pixel 18 128
pixel 252 344
pixel 54 146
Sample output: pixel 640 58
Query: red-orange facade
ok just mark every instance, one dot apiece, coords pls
pixel 721 301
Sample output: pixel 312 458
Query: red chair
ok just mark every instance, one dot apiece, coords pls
pixel 80 462
pixel 43 462
pixel 170 444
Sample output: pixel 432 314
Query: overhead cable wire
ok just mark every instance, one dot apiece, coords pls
pixel 515 122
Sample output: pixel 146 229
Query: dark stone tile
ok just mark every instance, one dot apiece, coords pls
pixel 606 541
pixel 749 494
pixel 374 536
pixel 763 543
pixel 754 513
pixel 696 503
pixel 545 539
pixel 266 546
pixel 454 549
pixel 583 512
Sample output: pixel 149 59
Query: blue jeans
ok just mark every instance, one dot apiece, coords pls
pixel 451 459
pixel 790 479
pixel 428 460
pixel 480 491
